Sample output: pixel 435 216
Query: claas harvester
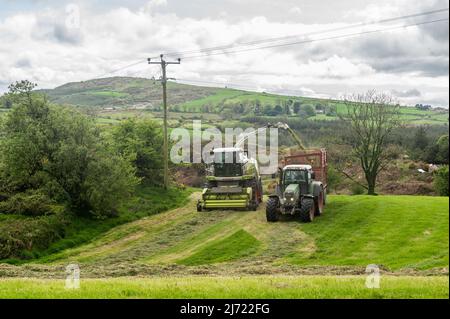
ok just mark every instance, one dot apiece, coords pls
pixel 233 181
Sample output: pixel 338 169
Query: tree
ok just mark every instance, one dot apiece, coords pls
pixel 438 153
pixel 442 154
pixel 331 110
pixel 257 107
pixel 423 107
pixel 141 143
pixel 287 106
pixel 371 117
pixel 307 111
pixel 420 139
pixel 59 152
pixel 278 109
pixel 268 109
pixel 441 181
pixel 296 107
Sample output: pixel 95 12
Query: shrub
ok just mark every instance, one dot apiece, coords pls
pixel 412 165
pixel 20 236
pixel 441 181
pixel 32 203
pixel 141 143
pixel 61 152
pixel 333 178
pixel 357 189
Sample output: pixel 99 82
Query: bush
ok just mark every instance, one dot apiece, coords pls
pixel 20 236
pixel 441 181
pixel 61 153
pixel 333 178
pixel 412 165
pixel 141 141
pixel 357 189
pixel 32 203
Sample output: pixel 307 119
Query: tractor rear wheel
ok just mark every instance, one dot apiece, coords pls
pixel 272 209
pixel 319 202
pixel 306 210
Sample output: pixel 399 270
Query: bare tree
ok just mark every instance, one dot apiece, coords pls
pixel 370 118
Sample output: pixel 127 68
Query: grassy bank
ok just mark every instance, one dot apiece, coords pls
pixel 397 232
pixel 230 287
pixel 147 201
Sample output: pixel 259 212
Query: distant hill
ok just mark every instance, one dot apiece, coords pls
pixel 123 92
pixel 140 93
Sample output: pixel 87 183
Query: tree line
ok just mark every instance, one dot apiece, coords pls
pixel 55 155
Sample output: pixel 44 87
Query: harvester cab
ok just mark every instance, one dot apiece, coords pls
pixel 233 181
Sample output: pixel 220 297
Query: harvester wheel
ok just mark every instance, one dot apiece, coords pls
pixel 199 207
pixel 319 202
pixel 306 210
pixel 272 209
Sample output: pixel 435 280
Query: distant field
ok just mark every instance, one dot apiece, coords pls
pixel 190 101
pixel 230 287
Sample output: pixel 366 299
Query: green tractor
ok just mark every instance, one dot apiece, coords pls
pixel 233 181
pixel 301 189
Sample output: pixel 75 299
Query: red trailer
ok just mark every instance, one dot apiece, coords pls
pixel 317 158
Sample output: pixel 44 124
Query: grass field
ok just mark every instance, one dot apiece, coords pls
pixel 230 287
pixel 185 254
pixel 399 233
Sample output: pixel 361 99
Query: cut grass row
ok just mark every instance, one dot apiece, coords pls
pixel 396 232
pixel 230 287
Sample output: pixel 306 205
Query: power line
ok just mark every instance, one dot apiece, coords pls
pixel 230 85
pixel 276 39
pixel 121 68
pixel 234 45
pixel 316 40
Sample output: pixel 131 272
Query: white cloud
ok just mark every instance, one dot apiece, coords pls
pixel 40 47
pixel 152 4
pixel 295 10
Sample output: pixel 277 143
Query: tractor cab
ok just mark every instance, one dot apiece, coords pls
pixel 300 175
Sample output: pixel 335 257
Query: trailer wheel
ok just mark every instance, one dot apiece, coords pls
pixel 319 202
pixel 306 210
pixel 272 209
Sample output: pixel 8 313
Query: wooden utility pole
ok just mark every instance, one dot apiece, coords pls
pixel 163 79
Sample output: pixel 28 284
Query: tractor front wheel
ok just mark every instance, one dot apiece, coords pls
pixel 272 209
pixel 306 210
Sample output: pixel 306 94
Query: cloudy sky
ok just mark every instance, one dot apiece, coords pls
pixel 55 42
